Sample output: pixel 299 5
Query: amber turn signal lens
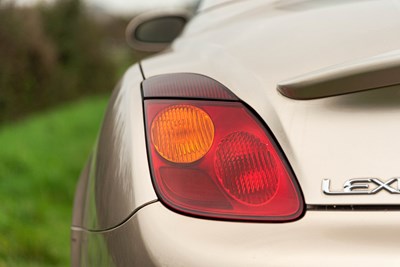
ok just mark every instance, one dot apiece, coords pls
pixel 182 133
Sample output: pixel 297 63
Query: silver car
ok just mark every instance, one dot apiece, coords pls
pixel 265 134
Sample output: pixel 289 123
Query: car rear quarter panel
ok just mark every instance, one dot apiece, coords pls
pixel 116 181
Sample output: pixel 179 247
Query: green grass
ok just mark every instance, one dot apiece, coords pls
pixel 40 161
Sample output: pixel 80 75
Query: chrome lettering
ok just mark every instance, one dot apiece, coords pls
pixel 362 186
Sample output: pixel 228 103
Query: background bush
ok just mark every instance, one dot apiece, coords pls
pixel 54 53
pixel 49 55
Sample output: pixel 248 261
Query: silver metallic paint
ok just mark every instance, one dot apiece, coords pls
pixel 156 236
pixel 366 74
pixel 118 179
pixel 345 136
pixel 111 226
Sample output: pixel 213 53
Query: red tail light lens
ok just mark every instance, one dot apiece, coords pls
pixel 246 169
pixel 215 159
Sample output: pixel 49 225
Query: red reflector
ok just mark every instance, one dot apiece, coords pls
pixel 187 186
pixel 241 176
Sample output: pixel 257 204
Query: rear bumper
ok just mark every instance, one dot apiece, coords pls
pixel 156 236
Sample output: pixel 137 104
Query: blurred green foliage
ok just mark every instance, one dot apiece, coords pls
pixel 51 54
pixel 40 161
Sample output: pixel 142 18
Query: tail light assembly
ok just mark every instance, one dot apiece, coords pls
pixel 211 156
